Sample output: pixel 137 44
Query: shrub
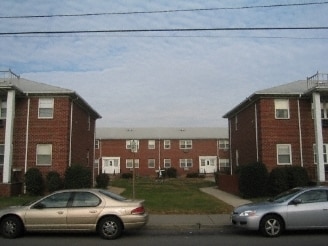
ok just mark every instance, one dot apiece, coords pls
pixel 253 179
pixel 127 175
pixel 77 176
pixel 34 182
pixel 284 178
pixel 102 181
pixel 171 172
pixel 53 181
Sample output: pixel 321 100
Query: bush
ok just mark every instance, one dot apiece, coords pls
pixel 253 179
pixel 34 182
pixel 171 172
pixel 127 176
pixel 102 181
pixel 285 178
pixel 53 181
pixel 77 176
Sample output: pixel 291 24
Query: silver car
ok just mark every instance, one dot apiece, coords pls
pixel 75 210
pixel 299 208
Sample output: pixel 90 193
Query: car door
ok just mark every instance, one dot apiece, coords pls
pixel 310 210
pixel 49 213
pixel 83 211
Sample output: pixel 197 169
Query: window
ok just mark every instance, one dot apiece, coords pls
pixel 2 153
pixel 44 154
pixel 151 144
pixel 185 163
pixel 129 163
pixel 223 144
pixel 325 154
pixel 313 196
pixel 85 199
pixel 167 144
pixel 284 154
pixel 151 163
pixel 130 143
pixel 58 200
pixel 224 163
pixel 167 163
pixel 97 144
pixel 281 108
pixel 3 109
pixel 46 108
pixel 185 144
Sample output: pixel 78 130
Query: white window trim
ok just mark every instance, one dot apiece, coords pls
pixel 281 104
pixel 136 163
pixel 224 144
pixel 128 144
pixel 151 144
pixel 51 104
pixel 185 144
pixel 167 144
pixel 37 154
pixel 3 109
pixel 151 163
pixel 290 154
pixel 167 163
pixel 184 163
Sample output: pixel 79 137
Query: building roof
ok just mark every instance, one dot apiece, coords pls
pixel 295 88
pixel 162 133
pixel 28 87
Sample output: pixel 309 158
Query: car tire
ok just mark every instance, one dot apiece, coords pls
pixel 11 227
pixel 271 226
pixel 110 227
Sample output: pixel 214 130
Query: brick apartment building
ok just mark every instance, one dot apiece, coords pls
pixel 188 150
pixel 283 125
pixel 41 126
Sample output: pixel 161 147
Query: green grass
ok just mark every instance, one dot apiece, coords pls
pixel 174 196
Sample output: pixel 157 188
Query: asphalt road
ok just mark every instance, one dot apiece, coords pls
pixel 224 236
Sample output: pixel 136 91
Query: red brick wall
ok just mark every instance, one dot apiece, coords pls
pixel 117 148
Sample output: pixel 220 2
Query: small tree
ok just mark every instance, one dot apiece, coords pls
pixel 102 181
pixel 34 182
pixel 53 181
pixel 77 176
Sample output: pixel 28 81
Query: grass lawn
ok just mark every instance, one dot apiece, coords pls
pixel 174 196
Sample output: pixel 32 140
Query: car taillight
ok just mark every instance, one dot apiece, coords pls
pixel 138 210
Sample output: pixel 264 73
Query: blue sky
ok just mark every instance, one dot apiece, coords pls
pixel 142 79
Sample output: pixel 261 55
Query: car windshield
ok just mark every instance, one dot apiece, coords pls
pixel 285 195
pixel 112 195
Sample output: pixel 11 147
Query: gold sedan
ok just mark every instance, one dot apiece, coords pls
pixel 75 210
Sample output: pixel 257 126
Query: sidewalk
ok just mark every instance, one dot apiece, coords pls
pixel 202 221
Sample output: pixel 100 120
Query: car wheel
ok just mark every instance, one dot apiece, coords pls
pixel 110 227
pixel 271 226
pixel 11 227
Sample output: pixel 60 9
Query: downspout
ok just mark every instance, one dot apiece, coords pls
pixel 300 130
pixel 217 156
pixel 70 136
pixel 256 134
pixel 230 149
pixel 159 154
pixel 27 133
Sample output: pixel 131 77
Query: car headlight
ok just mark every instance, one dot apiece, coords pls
pixel 248 213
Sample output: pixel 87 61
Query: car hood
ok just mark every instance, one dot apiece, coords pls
pixel 254 206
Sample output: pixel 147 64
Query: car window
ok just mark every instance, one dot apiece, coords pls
pixel 112 195
pixel 58 200
pixel 85 199
pixel 313 196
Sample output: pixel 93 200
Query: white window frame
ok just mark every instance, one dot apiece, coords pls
pixel 44 154
pixel 129 146
pixel 167 144
pixel 47 105
pixel 281 107
pixel 186 163
pixel 224 144
pixel 185 144
pixel 167 163
pixel 325 154
pixel 283 151
pixel 97 144
pixel 129 163
pixel 151 144
pixel 151 163
pixel 224 163
pixel 3 109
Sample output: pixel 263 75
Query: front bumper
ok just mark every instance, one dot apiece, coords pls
pixel 247 222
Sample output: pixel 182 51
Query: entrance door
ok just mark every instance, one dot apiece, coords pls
pixel 111 165
pixel 207 164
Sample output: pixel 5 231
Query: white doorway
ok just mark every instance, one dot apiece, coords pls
pixel 111 165
pixel 207 164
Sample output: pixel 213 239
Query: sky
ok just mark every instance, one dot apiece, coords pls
pixel 172 78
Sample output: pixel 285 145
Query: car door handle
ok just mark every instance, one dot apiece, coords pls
pixel 60 212
pixel 93 211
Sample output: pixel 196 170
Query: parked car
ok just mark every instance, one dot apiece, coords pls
pixel 75 210
pixel 298 208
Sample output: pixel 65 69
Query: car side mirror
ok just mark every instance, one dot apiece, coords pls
pixel 296 201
